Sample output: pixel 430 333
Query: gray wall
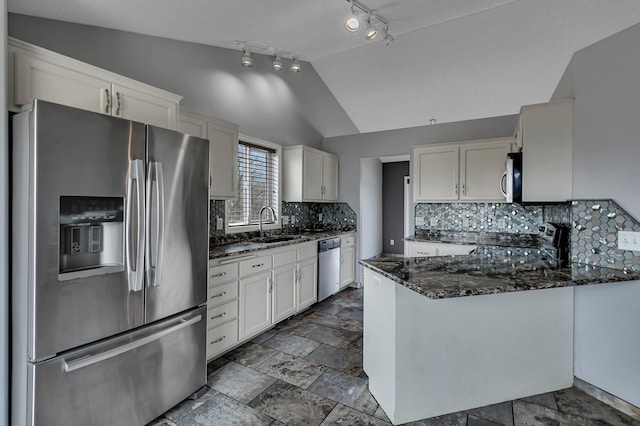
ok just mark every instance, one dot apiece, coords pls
pixel 4 227
pixel 393 205
pixel 370 221
pixel 603 80
pixel 351 149
pixel 282 107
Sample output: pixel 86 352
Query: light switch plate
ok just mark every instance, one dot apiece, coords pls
pixel 419 220
pixel 433 221
pixel 293 220
pixel 628 240
pixel 319 217
pixel 285 220
pixel 465 222
pixel 219 223
pixel 501 223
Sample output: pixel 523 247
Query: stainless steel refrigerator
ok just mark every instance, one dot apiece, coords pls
pixel 109 268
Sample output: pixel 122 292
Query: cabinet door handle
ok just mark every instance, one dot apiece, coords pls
pixel 455 189
pixel 464 191
pixel 219 295
pixel 107 96
pixel 219 274
pixel 119 103
pixel 219 340
pixel 218 316
pixel 257 265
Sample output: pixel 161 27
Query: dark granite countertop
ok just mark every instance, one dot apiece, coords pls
pixel 486 238
pixel 256 244
pixel 490 270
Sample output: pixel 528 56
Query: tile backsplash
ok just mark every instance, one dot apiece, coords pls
pixel 338 216
pixel 594 234
pixel 490 217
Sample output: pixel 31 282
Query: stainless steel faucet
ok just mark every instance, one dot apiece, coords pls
pixel 273 216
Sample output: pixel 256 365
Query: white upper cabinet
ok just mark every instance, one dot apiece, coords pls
pixel 223 151
pixel 545 134
pixel 467 171
pixel 37 73
pixel 309 175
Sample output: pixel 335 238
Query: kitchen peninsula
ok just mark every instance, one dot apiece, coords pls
pixel 446 334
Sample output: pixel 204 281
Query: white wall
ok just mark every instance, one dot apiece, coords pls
pixel 4 226
pixel 371 207
pixel 603 79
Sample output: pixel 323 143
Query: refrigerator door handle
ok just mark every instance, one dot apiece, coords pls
pixel 155 201
pixel 85 361
pixel 135 249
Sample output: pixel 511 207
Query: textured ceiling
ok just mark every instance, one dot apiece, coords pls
pixel 451 60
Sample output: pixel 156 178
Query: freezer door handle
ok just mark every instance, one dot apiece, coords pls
pixel 135 217
pixel 85 361
pixel 155 220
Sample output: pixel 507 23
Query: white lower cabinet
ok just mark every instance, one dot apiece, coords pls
pixel 307 283
pixel 222 308
pixel 255 304
pixel 347 260
pixel 284 292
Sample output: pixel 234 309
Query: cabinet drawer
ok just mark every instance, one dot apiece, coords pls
pixel 221 294
pixel 222 273
pixel 308 251
pixel 347 241
pixel 284 257
pixel 252 266
pixel 222 314
pixel 221 338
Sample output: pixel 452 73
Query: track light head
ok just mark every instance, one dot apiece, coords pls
pixel 371 32
pixel 277 63
pixel 247 60
pixel 352 24
pixel 295 65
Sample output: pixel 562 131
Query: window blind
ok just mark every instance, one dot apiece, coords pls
pixel 257 185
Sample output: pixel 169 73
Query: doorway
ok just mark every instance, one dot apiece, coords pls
pixel 393 206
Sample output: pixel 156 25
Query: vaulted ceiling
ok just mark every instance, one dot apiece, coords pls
pixel 451 59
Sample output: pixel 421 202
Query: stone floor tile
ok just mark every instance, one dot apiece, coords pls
pixel 351 314
pixel 528 414
pixel 188 405
pixel 335 337
pixel 327 308
pixel 239 382
pixel 292 405
pixel 477 421
pixel 333 321
pixel 338 359
pixel 381 414
pixel 573 401
pixel 296 326
pixel 455 419
pixel 544 399
pixel 216 364
pixel 345 389
pixel 264 336
pixel 342 415
pixel 497 413
pixel 292 344
pixel 222 410
pixel 347 302
pixel 251 354
pixel 291 369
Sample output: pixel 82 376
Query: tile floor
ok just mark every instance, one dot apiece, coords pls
pixel 308 371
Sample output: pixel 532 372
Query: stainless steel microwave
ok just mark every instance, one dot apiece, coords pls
pixel 511 181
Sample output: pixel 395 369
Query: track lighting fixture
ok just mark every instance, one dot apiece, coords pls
pixel 275 52
pixel 295 65
pixel 247 60
pixel 277 63
pixel 352 24
pixel 375 23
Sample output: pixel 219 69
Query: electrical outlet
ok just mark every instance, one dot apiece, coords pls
pixel 319 217
pixel 501 223
pixel 285 220
pixel 392 242
pixel 465 222
pixel 433 221
pixel 628 240
pixel 293 219
pixel 219 223
pixel 419 220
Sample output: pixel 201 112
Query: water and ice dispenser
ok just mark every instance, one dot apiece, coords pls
pixel 91 236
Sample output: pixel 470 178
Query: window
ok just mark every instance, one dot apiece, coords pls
pixel 258 186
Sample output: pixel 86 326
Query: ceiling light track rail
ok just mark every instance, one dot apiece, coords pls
pixel 375 23
pixel 277 53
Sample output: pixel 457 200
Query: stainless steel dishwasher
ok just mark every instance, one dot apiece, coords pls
pixel 328 267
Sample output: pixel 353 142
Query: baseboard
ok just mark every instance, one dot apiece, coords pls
pixel 609 399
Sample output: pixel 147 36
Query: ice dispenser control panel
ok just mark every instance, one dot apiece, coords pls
pixel 91 232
